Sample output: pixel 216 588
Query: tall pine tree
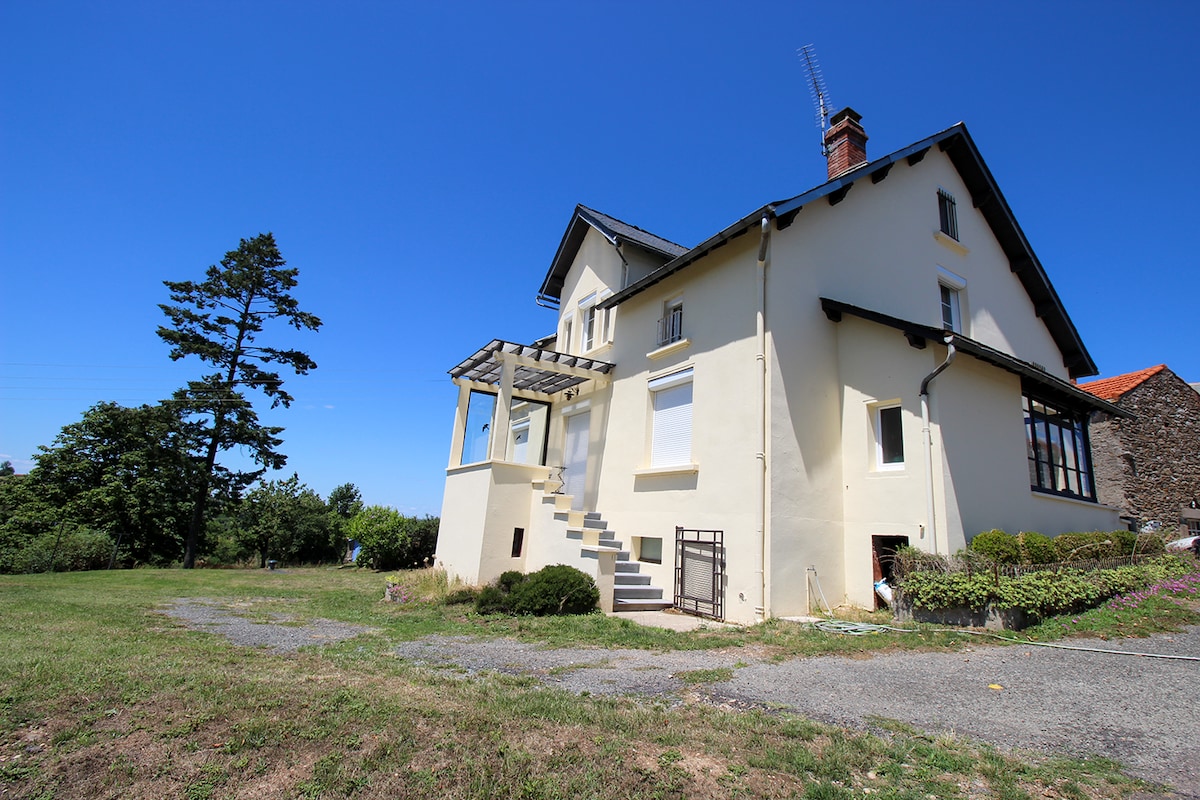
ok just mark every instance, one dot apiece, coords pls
pixel 218 321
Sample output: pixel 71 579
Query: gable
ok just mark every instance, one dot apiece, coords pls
pixel 982 195
pixel 617 233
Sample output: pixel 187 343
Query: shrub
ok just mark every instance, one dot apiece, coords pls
pixel 465 594
pixel 1093 545
pixel 1149 544
pixel 77 550
pixel 1036 548
pixel 998 546
pixel 392 541
pixel 555 590
pixel 492 600
pixel 1041 594
pixel 509 579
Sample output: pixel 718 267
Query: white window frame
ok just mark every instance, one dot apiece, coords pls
pixel 565 341
pixel 877 413
pixel 671 425
pixel 955 287
pixel 670 307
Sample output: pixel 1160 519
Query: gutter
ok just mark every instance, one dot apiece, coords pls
pixel 930 519
pixel 763 610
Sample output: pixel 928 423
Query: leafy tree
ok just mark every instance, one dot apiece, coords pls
pixel 345 501
pixel 6 469
pixel 123 471
pixel 392 541
pixel 288 522
pixel 218 320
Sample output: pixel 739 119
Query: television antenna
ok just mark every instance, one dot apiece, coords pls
pixel 816 86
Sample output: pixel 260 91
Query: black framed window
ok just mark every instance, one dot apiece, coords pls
pixel 948 214
pixel 1059 454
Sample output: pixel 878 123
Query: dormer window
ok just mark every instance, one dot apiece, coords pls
pixel 947 214
pixel 670 327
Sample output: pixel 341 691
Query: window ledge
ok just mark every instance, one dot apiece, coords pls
pixel 673 469
pixel 1065 498
pixel 951 243
pixel 598 350
pixel 667 349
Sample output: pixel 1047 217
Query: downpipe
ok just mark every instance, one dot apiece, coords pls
pixel 930 521
pixel 762 611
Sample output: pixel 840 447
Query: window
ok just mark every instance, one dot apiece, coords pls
pixel 951 316
pixel 670 327
pixel 589 328
pixel 1193 527
pixel 528 423
pixel 947 214
pixel 950 292
pixel 1056 444
pixel 565 342
pixel 590 318
pixel 671 437
pixel 650 549
pixel 518 542
pixel 477 439
pixel 889 438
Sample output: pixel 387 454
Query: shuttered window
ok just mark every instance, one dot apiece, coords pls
pixel 671 439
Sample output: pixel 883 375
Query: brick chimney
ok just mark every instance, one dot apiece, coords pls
pixel 845 142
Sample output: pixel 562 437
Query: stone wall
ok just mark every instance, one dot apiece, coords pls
pixel 1149 466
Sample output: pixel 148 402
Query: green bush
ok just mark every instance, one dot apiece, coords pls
pixel 77 550
pixel 392 541
pixel 553 590
pixel 1042 594
pixel 492 600
pixel 509 579
pixel 464 595
pixel 1036 548
pixel 998 546
pixel 1149 544
pixel 1093 545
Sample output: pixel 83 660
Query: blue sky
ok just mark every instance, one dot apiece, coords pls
pixel 418 163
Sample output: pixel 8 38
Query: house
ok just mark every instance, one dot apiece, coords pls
pixel 1148 464
pixel 749 427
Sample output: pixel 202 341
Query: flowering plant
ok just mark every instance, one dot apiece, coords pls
pixel 396 592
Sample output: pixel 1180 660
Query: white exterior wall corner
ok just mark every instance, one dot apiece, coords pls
pixel 719 322
pixel 805 487
pixel 877 366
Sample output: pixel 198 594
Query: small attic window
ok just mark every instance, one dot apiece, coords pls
pixel 947 214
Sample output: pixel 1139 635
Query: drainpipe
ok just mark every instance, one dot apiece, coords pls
pixel 930 522
pixel 763 610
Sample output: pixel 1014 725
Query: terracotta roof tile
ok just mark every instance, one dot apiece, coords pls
pixel 1114 388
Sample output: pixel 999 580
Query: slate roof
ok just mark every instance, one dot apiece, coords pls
pixel 612 229
pixel 1114 388
pixel 985 193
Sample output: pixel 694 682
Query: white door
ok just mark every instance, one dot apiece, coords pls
pixel 575 451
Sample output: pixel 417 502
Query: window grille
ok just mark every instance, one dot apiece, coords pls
pixel 948 214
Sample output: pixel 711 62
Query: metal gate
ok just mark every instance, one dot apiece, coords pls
pixel 700 572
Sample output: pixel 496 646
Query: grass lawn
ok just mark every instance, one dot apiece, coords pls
pixel 102 695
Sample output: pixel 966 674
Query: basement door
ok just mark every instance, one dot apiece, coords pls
pixel 700 572
pixel 575 453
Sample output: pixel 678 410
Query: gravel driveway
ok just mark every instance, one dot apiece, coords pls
pixel 1140 711
pixel 1137 710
